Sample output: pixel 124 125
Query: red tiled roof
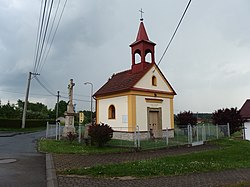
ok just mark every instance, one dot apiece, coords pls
pixel 142 35
pixel 245 110
pixel 122 81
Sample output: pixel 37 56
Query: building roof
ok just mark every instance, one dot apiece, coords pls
pixel 122 81
pixel 245 110
pixel 142 35
pixel 126 80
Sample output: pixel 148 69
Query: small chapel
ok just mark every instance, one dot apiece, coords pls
pixel 138 98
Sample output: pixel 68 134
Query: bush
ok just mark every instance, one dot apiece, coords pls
pixel 100 134
pixel 71 136
pixel 17 123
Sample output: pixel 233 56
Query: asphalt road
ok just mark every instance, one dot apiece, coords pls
pixel 20 163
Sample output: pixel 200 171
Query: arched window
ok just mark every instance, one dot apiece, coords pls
pixel 148 57
pixel 154 81
pixel 111 112
pixel 137 56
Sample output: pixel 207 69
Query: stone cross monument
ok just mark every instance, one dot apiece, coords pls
pixel 70 113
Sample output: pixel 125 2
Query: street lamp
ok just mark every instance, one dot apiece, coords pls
pixel 91 100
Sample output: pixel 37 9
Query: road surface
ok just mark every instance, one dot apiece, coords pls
pixel 20 163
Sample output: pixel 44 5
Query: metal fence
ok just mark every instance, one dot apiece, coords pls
pixel 134 138
pixel 195 135
pixel 55 131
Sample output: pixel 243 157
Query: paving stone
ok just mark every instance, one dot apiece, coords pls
pixel 69 161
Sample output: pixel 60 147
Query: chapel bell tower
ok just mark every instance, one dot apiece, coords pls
pixel 143 47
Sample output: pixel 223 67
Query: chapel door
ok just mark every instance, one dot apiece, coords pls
pixel 154 123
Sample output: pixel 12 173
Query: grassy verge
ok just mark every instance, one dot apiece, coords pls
pixel 22 130
pixel 67 147
pixel 235 154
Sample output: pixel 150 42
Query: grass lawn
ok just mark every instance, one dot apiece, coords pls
pixel 233 154
pixel 67 147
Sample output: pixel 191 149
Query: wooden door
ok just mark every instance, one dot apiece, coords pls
pixel 154 124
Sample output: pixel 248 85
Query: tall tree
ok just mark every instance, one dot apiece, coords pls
pixel 62 107
pixel 185 118
pixel 231 116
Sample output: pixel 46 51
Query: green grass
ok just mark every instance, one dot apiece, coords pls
pixel 35 129
pixel 234 154
pixel 67 147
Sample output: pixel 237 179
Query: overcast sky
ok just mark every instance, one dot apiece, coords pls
pixel 207 63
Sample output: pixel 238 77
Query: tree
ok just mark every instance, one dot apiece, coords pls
pixel 9 111
pixel 231 116
pixel 62 108
pixel 185 118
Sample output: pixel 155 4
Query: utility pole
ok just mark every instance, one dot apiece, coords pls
pixel 91 101
pixel 57 107
pixel 26 99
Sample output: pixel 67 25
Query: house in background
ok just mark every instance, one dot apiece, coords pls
pixel 138 97
pixel 245 114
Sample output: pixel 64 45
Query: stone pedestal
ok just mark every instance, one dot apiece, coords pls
pixel 69 121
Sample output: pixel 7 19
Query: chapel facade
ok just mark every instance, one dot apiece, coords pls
pixel 140 97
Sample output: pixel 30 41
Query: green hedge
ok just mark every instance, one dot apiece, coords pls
pixel 17 123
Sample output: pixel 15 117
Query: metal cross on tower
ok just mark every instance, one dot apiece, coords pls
pixel 141 14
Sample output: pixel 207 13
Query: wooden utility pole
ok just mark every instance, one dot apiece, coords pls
pixel 26 99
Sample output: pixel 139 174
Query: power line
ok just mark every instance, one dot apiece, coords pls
pixel 174 32
pixel 41 84
pixel 54 32
pixel 40 31
pixel 45 33
pixel 47 30
pixel 21 93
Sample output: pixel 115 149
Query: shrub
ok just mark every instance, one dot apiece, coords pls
pixel 17 123
pixel 100 133
pixel 71 136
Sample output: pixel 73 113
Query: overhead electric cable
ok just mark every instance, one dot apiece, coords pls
pixel 44 36
pixel 174 32
pixel 40 36
pixel 50 92
pixel 50 31
pixel 54 34
pixel 37 36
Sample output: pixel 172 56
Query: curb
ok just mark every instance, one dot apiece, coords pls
pixel 9 134
pixel 50 171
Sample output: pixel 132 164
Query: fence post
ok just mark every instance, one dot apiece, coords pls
pixel 59 130
pixel 228 129
pixel 203 132
pixel 79 133
pixel 190 134
pixel 197 133
pixel 56 130
pixel 209 131
pixel 47 130
pixel 167 136
pixel 135 139
pixel 217 131
pixel 138 137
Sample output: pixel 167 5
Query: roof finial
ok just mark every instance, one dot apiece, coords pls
pixel 141 14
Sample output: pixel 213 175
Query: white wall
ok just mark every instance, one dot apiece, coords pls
pixel 146 81
pixel 121 109
pixel 141 112
pixel 247 130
